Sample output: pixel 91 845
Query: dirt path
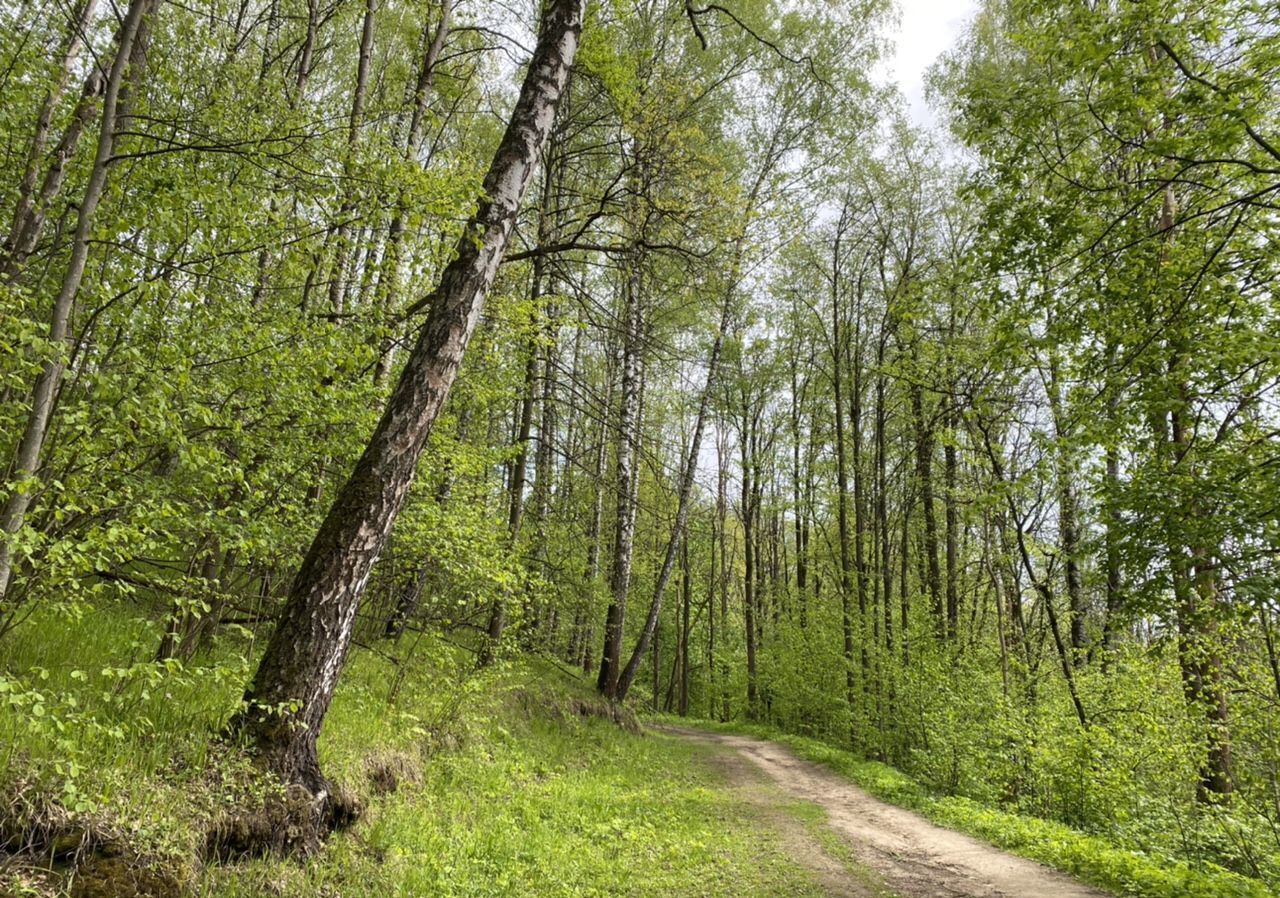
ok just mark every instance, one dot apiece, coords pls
pixel 913 857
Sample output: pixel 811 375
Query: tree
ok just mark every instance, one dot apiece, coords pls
pixel 129 58
pixel 286 703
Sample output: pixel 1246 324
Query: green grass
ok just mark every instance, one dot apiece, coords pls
pixel 575 808
pixel 504 788
pixel 1092 859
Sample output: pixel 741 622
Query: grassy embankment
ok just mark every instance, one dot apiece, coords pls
pixel 496 784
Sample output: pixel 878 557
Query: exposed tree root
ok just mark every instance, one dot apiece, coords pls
pixel 293 821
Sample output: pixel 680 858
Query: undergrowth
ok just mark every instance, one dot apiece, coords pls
pixel 514 781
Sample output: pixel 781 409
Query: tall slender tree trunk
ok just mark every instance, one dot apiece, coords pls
pixel 749 567
pixel 950 522
pixel 882 501
pixel 686 594
pixel 690 470
pixel 924 472
pixel 799 513
pixel 286 702
pixel 1068 533
pixel 25 227
pixel 1111 555
pixel 1111 524
pixel 626 480
pixel 722 517
pixel 842 492
pixel 713 577
pixel 1196 596
pixel 129 55
pixel 342 250
pixel 390 274
pixel 860 566
pixel 596 526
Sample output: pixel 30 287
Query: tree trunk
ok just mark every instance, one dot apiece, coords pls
pixel 682 507
pixel 26 226
pixel 722 516
pixel 596 525
pixel 799 519
pixel 286 703
pixel 1111 551
pixel 882 501
pixel 924 470
pixel 842 493
pixel 860 565
pixel 1196 596
pixel 1068 536
pixel 624 532
pixel 1111 519
pixel 338 274
pixel 749 559
pixel 392 260
pixel 686 591
pixel 904 591
pixel 950 525
pixel 712 580
pixel 26 463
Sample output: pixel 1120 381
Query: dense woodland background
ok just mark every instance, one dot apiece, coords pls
pixel 957 449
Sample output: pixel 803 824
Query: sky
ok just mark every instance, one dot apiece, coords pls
pixel 929 28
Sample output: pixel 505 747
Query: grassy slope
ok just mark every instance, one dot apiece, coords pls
pixel 538 806
pixel 503 788
pixel 1092 859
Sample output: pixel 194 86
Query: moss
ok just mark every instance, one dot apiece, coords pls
pixel 121 876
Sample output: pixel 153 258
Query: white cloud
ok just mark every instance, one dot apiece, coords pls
pixel 928 29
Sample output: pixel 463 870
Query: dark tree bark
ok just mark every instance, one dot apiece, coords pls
pixel 712 580
pixel 286 703
pixel 596 525
pixel 1195 588
pixel 800 518
pixel 1068 532
pixel 842 482
pixel 749 561
pixel 722 561
pixel 1111 552
pixel 950 524
pixel 686 596
pixel 924 471
pixel 860 566
pixel 882 497
pixel 407 602
pixel 750 411
pixel 1111 519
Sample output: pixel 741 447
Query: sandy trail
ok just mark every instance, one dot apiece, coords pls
pixel 913 857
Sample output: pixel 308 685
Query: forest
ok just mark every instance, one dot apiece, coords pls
pixel 405 403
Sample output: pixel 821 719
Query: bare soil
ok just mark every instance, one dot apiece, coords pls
pixel 910 856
